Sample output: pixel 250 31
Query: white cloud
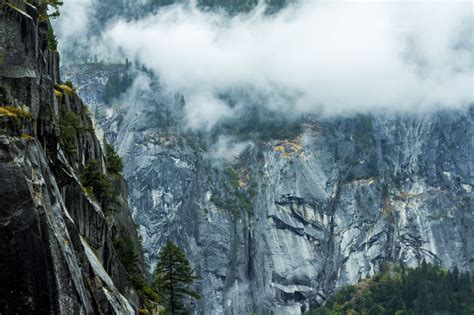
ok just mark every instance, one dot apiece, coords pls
pixel 74 21
pixel 203 110
pixel 227 148
pixel 325 57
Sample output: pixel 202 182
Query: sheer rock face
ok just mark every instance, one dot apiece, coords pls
pixel 56 251
pixel 332 203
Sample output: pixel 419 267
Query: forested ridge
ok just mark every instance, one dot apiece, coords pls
pixel 427 289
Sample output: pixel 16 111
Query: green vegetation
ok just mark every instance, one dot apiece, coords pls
pixel 100 185
pixel 98 182
pixel 258 124
pixel 236 7
pixel 217 200
pixel 27 137
pixel 15 115
pixel 362 164
pixel 252 128
pixel 55 4
pixel 15 111
pixel 114 161
pixel 426 290
pixel 129 257
pixel 116 86
pixel 173 277
pixel 69 125
pixel 58 93
pixel 232 177
pixel 67 87
pixel 232 7
pixel 234 194
pixel 52 40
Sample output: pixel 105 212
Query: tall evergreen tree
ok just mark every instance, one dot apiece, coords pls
pixel 173 277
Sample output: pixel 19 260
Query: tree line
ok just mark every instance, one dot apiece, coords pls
pixel 427 289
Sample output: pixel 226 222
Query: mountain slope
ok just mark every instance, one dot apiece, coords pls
pixel 293 219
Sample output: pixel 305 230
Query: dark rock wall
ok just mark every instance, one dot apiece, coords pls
pixel 56 242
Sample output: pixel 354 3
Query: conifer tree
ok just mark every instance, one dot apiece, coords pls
pixel 114 161
pixel 45 4
pixel 173 277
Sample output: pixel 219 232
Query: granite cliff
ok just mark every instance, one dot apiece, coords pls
pixel 311 204
pixel 58 237
pixel 297 215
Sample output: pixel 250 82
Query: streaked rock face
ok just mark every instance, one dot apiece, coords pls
pixel 329 205
pixel 56 242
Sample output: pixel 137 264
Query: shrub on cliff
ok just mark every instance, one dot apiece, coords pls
pixel 93 178
pixel 116 86
pixel 52 40
pixel 69 123
pixel 114 161
pixel 129 257
pixel 15 111
pixel 67 87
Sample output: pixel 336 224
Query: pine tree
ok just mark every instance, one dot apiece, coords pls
pixel 45 5
pixel 52 40
pixel 172 278
pixel 114 161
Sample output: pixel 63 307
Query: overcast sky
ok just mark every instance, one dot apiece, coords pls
pixel 324 57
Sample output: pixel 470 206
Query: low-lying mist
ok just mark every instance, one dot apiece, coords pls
pixel 322 57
